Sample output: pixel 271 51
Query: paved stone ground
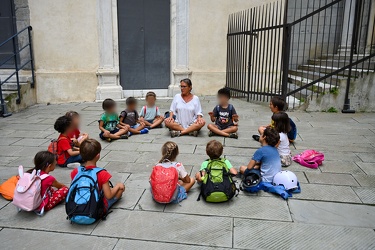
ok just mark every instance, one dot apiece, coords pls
pixel 334 211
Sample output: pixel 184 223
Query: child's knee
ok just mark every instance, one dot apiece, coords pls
pixel 242 169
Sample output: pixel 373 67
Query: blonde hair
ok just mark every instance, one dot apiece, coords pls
pixel 169 151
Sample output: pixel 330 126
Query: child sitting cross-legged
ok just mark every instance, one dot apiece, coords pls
pixel 76 135
pixel 225 117
pixel 109 123
pixel 214 150
pixel 150 113
pixel 266 158
pixel 130 117
pixel 282 125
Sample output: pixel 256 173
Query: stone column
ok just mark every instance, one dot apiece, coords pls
pixel 108 71
pixel 370 45
pixel 179 44
pixel 347 27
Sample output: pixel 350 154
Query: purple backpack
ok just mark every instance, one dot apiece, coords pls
pixel 309 158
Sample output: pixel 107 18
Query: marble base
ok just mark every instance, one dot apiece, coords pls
pixel 108 85
pixel 178 75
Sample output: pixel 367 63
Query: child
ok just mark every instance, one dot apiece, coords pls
pixel 66 154
pixel 169 155
pixel 282 125
pixel 150 114
pixel 266 158
pixel 214 150
pixel 55 191
pixel 90 150
pixel 130 117
pixel 109 123
pixel 277 104
pixel 225 117
pixel 76 135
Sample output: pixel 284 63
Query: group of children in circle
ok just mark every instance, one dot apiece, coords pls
pixel 74 146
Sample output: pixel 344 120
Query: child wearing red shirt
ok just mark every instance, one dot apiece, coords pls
pixel 76 135
pixel 90 152
pixel 66 154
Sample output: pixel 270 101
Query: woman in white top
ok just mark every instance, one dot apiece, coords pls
pixel 282 125
pixel 185 115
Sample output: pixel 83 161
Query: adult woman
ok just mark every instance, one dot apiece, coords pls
pixel 185 115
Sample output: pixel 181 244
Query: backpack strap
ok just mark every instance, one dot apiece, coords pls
pixel 144 110
pixel 230 106
pixel 43 176
pixel 218 111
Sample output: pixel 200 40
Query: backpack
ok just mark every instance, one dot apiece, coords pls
pixel 8 187
pixel 27 195
pixel 309 158
pixel 84 202
pixel 145 110
pixel 230 106
pixel 53 147
pixel 292 134
pixel 164 184
pixel 218 185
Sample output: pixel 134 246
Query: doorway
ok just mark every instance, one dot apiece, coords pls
pixel 7 29
pixel 144 44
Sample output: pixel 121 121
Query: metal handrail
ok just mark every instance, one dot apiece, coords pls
pixel 17 67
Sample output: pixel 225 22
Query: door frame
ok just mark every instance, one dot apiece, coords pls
pixel 10 64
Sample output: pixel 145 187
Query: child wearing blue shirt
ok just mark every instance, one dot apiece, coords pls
pixel 150 113
pixel 266 158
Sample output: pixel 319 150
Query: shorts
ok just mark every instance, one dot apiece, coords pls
pixel 286 160
pixel 222 127
pixel 150 121
pixel 112 132
pixel 181 195
pixel 110 203
pixel 135 126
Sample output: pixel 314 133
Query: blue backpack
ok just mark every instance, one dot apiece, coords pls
pixel 292 134
pixel 84 202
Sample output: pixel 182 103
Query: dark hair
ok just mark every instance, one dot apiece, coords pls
pixel 224 92
pixel 278 102
pixel 187 81
pixel 131 100
pixel 214 149
pixel 72 114
pixel 62 124
pixel 108 104
pixel 282 123
pixel 272 136
pixel 42 160
pixel 89 149
pixel 150 93
pixel 169 151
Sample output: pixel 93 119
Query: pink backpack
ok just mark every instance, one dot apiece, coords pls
pixel 27 195
pixel 309 158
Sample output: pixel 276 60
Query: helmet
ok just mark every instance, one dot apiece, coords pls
pixel 287 179
pixel 251 178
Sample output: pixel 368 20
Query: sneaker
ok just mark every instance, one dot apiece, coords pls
pixel 233 135
pixel 256 137
pixel 108 139
pixel 124 137
pixel 130 134
pixel 210 133
pixel 194 133
pixel 144 131
pixel 175 133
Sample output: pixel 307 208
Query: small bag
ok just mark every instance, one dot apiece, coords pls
pixel 8 187
pixel 292 134
pixel 309 158
pixel 164 184
pixel 27 195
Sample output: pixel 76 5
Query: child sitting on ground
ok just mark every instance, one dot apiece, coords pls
pixel 266 158
pixel 214 150
pixel 150 113
pixel 90 150
pixel 282 125
pixel 225 117
pixel 66 154
pixel 76 135
pixel 169 155
pixel 54 191
pixel 277 104
pixel 109 123
pixel 130 117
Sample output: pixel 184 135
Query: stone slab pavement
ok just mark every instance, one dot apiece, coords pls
pixel 336 209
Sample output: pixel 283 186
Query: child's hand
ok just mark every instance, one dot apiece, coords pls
pixel 121 186
pixel 142 119
pixel 235 117
pixel 211 114
pixel 106 133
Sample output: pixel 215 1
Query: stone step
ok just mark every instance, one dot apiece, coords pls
pixel 316 87
pixel 23 75
pixel 335 80
pixel 329 69
pixel 341 63
pixel 345 57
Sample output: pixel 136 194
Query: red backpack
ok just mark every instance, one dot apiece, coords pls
pixel 52 147
pixel 164 184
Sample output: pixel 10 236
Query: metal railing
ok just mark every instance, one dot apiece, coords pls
pixel 300 48
pixel 17 65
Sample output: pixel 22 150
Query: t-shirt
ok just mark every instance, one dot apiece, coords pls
pixel 130 117
pixel 186 112
pixel 151 112
pixel 269 158
pixel 182 173
pixel 110 121
pixel 63 145
pixel 103 177
pixel 74 134
pixel 224 115
pixel 283 147
pixel 45 185
pixel 205 164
